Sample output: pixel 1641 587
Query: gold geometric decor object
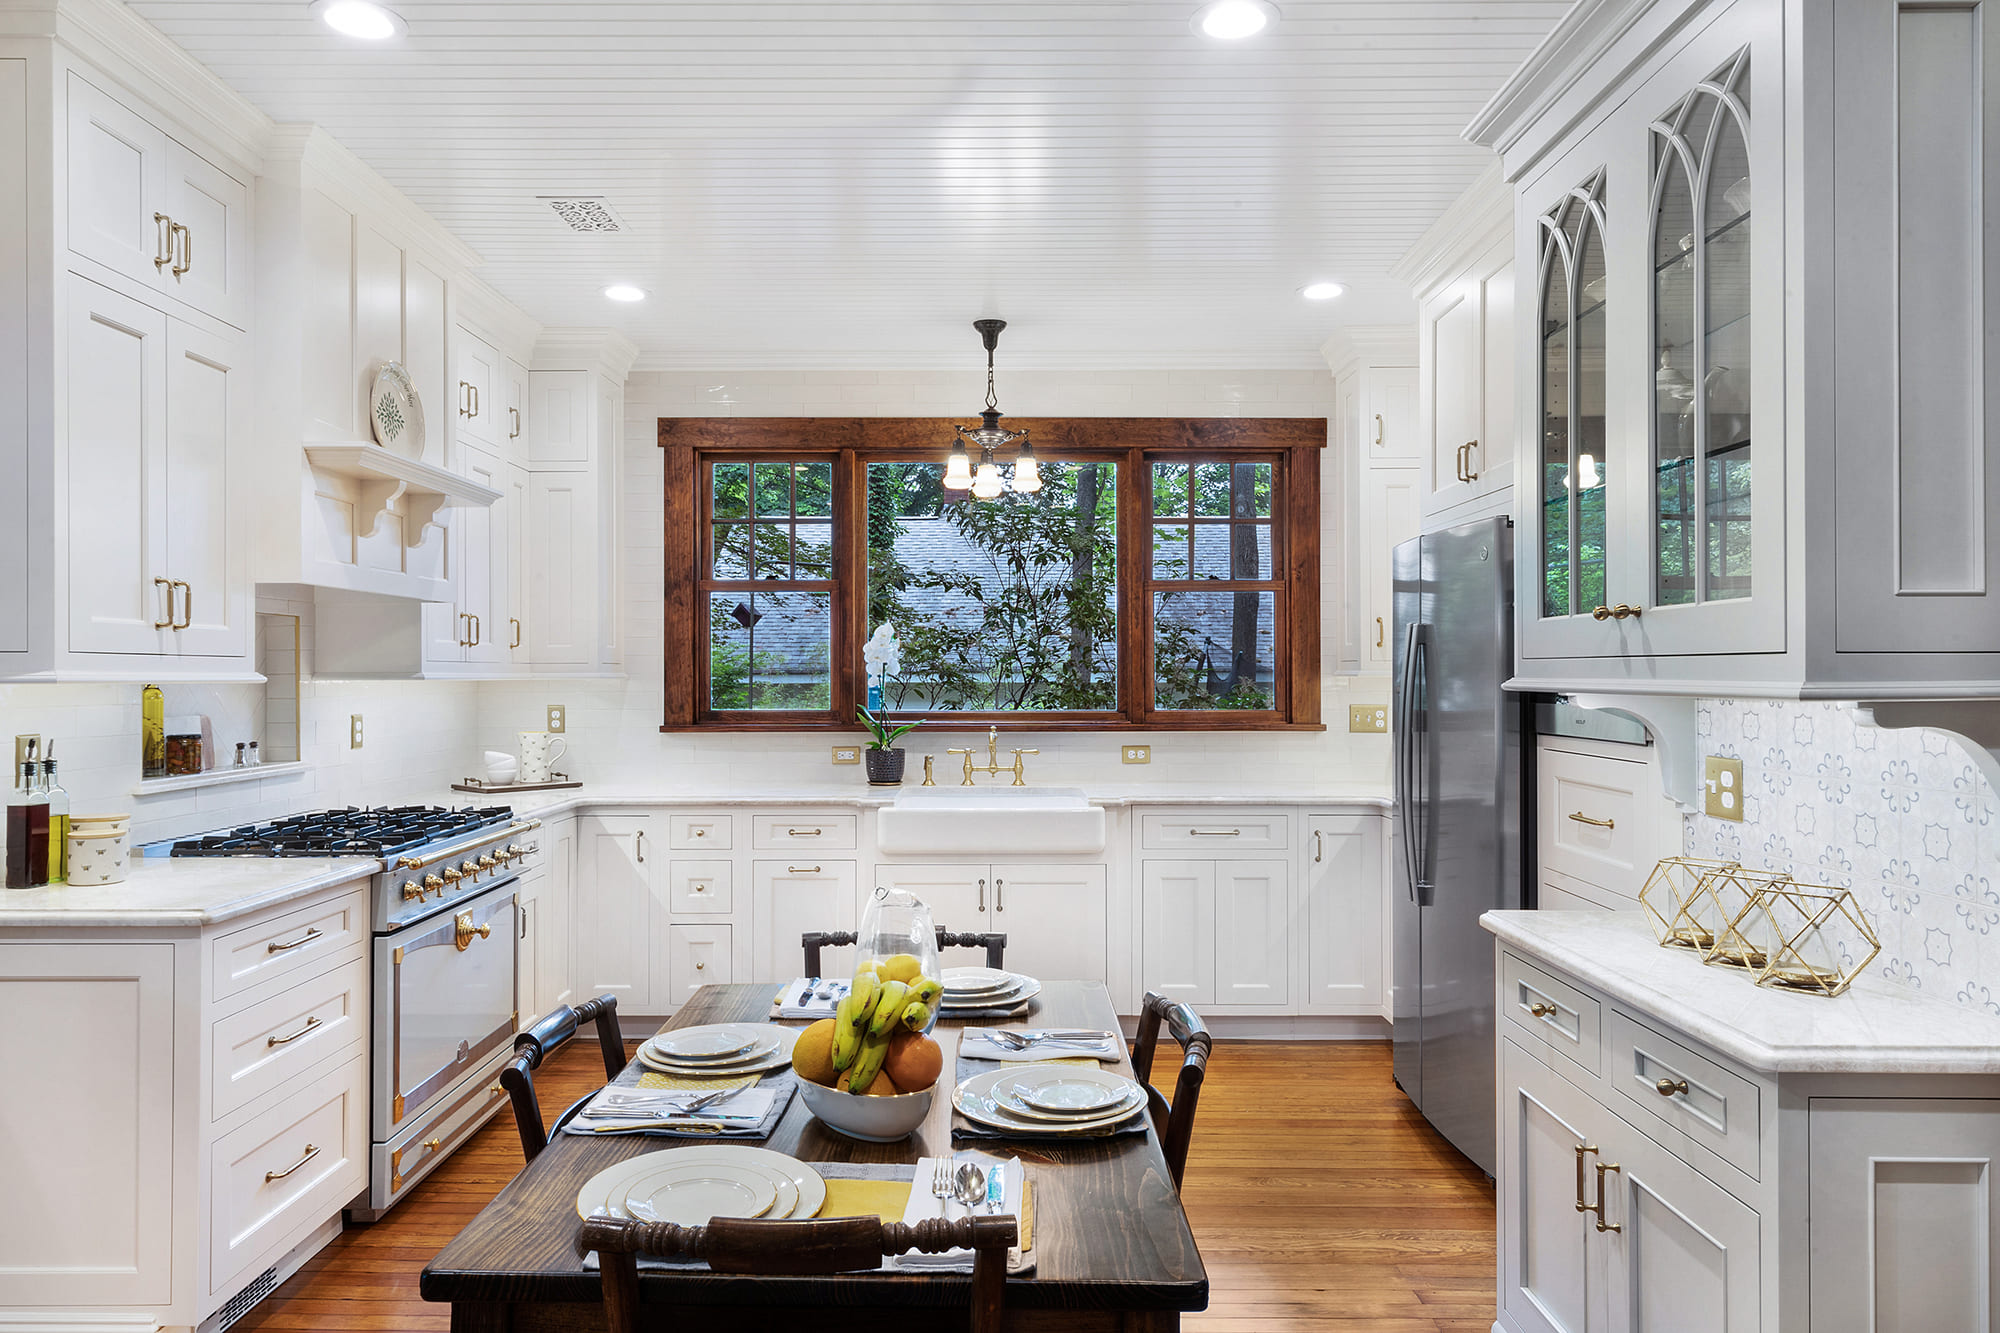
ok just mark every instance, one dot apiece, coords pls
pixel 1720 901
pixel 1799 930
pixel 1668 892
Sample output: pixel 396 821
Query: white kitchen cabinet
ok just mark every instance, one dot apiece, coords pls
pixel 613 910
pixel 1055 916
pixel 1177 941
pixel 1250 937
pixel 1550 1274
pixel 1391 514
pixel 1216 931
pixel 696 956
pixel 789 898
pixel 1390 416
pixel 1343 912
pixel 559 847
pixel 575 424
pixel 155 414
pixel 1466 330
pixel 480 405
pixel 513 423
pixel 530 929
pixel 1380 482
pixel 152 210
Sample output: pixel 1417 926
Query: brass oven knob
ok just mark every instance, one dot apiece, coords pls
pixel 469 869
pixel 514 851
pixel 433 884
pixel 412 889
pixel 488 861
pixel 451 876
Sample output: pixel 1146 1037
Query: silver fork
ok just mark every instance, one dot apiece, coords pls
pixel 943 1184
pixel 1021 1041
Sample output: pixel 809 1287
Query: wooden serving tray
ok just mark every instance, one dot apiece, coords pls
pixel 474 784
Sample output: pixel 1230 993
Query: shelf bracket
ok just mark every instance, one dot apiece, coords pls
pixel 372 498
pixel 419 510
pixel 1670 719
pixel 1973 723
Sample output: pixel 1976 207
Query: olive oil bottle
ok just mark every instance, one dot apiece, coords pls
pixel 58 800
pixel 152 733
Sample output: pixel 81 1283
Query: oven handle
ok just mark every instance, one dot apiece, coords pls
pixel 446 853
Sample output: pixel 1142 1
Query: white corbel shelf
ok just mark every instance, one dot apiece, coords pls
pixel 379 480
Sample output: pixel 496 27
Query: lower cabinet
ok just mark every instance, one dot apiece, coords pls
pixel 531 955
pixel 1216 932
pixel 789 898
pixel 696 956
pixel 1343 911
pixel 613 910
pixel 1056 917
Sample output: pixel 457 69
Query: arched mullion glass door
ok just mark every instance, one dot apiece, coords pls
pixel 1702 343
pixel 1572 389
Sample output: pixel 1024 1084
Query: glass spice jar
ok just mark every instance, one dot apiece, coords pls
pixel 184 754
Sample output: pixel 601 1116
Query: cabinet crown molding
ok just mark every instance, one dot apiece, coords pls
pixel 1473 222
pixel 1380 344
pixel 606 350
pixel 302 152
pixel 513 328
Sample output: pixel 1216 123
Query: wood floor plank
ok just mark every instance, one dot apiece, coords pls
pixel 1321 1201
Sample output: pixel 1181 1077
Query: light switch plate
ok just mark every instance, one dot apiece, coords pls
pixel 1368 717
pixel 1136 754
pixel 354 732
pixel 558 718
pixel 846 754
pixel 1722 788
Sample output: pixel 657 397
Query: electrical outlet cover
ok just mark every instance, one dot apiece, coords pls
pixel 846 754
pixel 354 731
pixel 558 718
pixel 1136 754
pixel 1722 788
pixel 1368 717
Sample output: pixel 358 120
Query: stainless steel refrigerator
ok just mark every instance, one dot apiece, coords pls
pixel 1463 744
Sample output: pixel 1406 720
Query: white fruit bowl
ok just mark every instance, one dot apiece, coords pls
pixel 873 1119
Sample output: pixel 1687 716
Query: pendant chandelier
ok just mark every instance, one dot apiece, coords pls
pixel 988 435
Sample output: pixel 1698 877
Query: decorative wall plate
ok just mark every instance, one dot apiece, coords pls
pixel 395 414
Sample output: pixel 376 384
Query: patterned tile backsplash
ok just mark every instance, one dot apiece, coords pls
pixel 1903 818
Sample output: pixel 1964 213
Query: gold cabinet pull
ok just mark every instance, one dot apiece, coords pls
pixel 1380 630
pixel 163 241
pixel 803 832
pixel 1577 816
pixel 1581 1175
pixel 475 632
pixel 1598 1207
pixel 291 1037
pixel 187 605
pixel 464 398
pixel 1667 1087
pixel 802 870
pixel 1541 1009
pixel 515 433
pixel 1215 833
pixel 186 239
pixel 168 584
pixel 1378 430
pixel 1465 456
pixel 311 1152
pixel 517 632
pixel 463 930
pixel 280 946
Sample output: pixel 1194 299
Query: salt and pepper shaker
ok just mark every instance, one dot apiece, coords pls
pixel 239 755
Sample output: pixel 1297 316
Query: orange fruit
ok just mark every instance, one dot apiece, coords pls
pixel 914 1061
pixel 812 1054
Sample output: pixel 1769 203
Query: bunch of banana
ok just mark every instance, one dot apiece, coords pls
pixel 868 1018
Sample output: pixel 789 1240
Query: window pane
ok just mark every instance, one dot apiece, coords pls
pixel 770 651
pixel 774 489
pixel 812 489
pixel 732 490
pixel 1211 489
pixel 812 551
pixel 1000 604
pixel 1214 650
pixel 773 551
pixel 732 551
pixel 1257 476
pixel 1232 551
pixel 1170 551
pixel 1170 490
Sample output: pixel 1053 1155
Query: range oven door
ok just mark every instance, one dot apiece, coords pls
pixel 444 999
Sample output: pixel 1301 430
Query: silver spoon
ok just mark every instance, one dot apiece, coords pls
pixel 971 1186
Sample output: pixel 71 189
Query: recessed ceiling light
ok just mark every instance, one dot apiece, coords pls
pixel 1321 291
pixel 358 18
pixel 1233 20
pixel 625 291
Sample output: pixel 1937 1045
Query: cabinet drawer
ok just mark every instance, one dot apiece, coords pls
pixel 698 886
pixel 1557 1015
pixel 290 945
pixel 1718 1108
pixel 691 833
pixel 1591 813
pixel 264 1046
pixel 416 1151
pixel 286 1171
pixel 808 832
pixel 697 956
pixel 1223 833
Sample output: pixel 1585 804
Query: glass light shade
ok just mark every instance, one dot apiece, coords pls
pixel 958 469
pixel 358 18
pixel 986 485
pixel 1027 472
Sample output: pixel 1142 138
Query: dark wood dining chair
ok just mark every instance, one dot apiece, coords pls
pixel 541 1041
pixel 1175 1123
pixel 994 942
pixel 837 1245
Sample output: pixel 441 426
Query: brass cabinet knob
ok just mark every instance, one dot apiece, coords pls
pixel 1541 1010
pixel 412 889
pixel 1667 1087
pixel 433 1144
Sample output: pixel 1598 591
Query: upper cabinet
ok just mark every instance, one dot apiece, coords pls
pixel 1379 449
pixel 1752 385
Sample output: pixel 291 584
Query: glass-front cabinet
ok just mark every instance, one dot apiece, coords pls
pixel 1657 528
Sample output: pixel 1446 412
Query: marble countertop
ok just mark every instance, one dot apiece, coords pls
pixel 1876 1027
pixel 165 891
pixel 547 804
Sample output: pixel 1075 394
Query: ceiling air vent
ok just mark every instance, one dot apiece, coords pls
pixel 584 212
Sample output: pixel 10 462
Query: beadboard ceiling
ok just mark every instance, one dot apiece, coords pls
pixel 850 182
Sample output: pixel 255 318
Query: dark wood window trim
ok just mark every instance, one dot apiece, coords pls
pixel 1292 444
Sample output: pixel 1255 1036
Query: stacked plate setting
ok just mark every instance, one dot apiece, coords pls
pixel 978 988
pixel 719 1050
pixel 692 1184
pixel 1049 1099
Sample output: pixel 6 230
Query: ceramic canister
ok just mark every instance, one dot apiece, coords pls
pixel 97 858
pixel 539 752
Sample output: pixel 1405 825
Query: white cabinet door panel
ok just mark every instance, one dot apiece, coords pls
pixel 1343 912
pixel 480 377
pixel 697 956
pixel 1391 516
pixel 789 898
pixel 480 558
pixel 559 910
pixel 117 170
pixel 1055 918
pixel 1391 415
pixel 1687 1256
pixel 562 529
pixel 116 460
pixel 613 913
pixel 530 929
pixel 211 213
pixel 1456 391
pixel 207 387
pixel 1252 944
pixel 1547 1282
pixel 1177 946
pixel 960 896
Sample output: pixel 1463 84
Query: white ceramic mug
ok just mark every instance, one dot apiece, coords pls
pixel 539 752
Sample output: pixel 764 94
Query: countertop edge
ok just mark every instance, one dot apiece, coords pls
pixel 346 871
pixel 1731 1041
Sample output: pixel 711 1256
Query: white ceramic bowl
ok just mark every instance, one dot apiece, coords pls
pixel 874 1119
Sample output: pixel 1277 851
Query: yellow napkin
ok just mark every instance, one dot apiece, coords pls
pixel 859 1198
pixel 654 1081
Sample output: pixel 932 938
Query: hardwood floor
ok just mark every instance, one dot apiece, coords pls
pixel 1321 1201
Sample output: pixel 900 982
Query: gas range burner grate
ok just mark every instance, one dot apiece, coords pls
pixel 349 832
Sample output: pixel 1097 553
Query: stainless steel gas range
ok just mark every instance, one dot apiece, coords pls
pixel 446 925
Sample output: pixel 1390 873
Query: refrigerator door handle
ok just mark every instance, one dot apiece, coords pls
pixel 1421 797
pixel 1406 757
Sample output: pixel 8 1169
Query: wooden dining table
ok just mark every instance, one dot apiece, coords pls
pixel 1112 1247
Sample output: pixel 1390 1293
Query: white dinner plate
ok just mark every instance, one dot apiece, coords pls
pixel 807 1186
pixel 1073 1090
pixel 718 1041
pixel 692 1192
pixel 1026 990
pixel 763 1064
pixel 1057 1119
pixel 395 413
pixel 976 980
pixel 977 1104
